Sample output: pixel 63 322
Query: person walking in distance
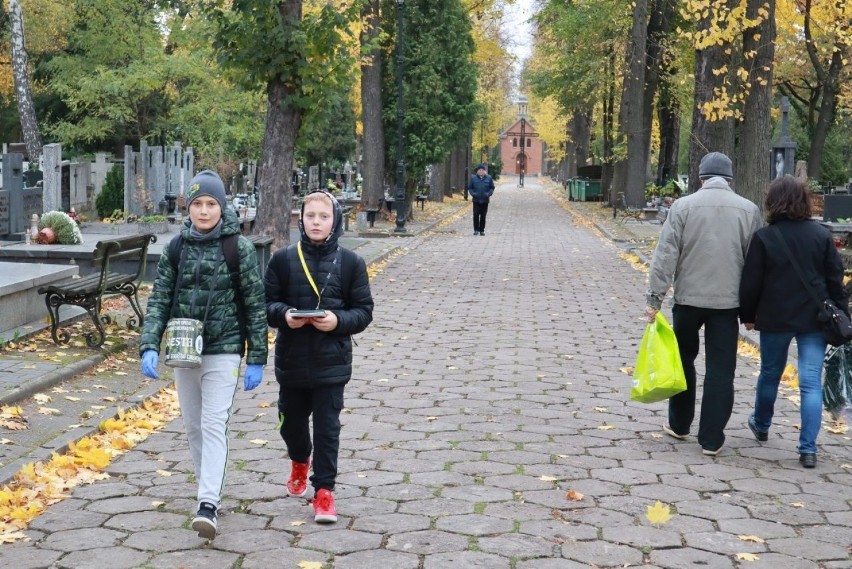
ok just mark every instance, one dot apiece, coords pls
pixel 774 301
pixel 317 296
pixel 701 251
pixel 480 188
pixel 209 273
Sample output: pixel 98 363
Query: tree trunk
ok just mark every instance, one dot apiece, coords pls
pixel 20 69
pixel 276 195
pixel 438 183
pixel 659 28
pixel 708 135
pixel 581 134
pixel 631 123
pixel 607 127
pixel 829 80
pixel 371 110
pixel 668 116
pixel 752 159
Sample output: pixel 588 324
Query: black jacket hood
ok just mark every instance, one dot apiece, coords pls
pixel 336 229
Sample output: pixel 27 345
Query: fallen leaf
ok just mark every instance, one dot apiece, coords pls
pixel 659 513
pixel 109 399
pixel 601 409
pixel 627 370
pixel 265 405
pixel 49 411
pixel 798 504
pixel 431 418
pixel 753 538
pixel 12 537
pixel 258 441
pixel 548 478
pixel 574 496
pixel 297 523
pixel 157 504
pixel 310 564
pixel 747 557
pixel 6 442
pixel 606 427
pixel 70 398
pixel 164 473
pixel 42 398
pixel 837 429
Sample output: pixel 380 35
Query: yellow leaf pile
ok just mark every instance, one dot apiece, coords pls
pixel 40 484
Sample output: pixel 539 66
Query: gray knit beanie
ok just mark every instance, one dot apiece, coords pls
pixel 715 164
pixel 206 183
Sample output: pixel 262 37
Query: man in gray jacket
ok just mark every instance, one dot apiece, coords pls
pixel 702 247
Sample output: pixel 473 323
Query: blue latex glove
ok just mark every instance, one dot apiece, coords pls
pixel 253 376
pixel 149 364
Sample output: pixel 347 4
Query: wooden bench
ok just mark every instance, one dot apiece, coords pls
pixel 88 292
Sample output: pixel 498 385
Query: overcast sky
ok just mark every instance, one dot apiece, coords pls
pixel 517 25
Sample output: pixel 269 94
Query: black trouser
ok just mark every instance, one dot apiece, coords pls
pixel 295 407
pixel 480 210
pixel 721 332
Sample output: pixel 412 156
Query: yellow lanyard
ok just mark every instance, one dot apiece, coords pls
pixel 307 272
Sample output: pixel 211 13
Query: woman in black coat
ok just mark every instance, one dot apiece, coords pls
pixel 774 301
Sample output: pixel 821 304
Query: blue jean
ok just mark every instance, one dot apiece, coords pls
pixel 773 359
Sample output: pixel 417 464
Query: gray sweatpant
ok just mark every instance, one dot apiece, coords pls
pixel 206 395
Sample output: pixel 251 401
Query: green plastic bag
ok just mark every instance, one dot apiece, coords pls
pixel 658 373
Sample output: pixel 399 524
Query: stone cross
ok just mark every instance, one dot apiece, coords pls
pixel 52 194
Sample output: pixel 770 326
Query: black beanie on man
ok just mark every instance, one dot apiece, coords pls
pixel 206 183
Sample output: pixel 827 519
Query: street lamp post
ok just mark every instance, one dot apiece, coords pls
pixel 400 114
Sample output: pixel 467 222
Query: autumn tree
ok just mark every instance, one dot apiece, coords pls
pixel 439 83
pixel 297 57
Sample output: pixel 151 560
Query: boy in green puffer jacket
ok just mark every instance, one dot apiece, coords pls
pixel 232 309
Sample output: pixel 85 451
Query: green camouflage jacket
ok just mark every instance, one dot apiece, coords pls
pixel 205 281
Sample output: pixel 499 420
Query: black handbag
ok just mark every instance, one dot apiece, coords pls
pixel 836 326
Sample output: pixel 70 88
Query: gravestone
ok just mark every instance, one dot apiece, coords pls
pixel 783 154
pixel 17 203
pixel 313 178
pixel 52 194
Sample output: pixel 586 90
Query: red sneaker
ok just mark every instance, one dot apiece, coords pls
pixel 297 486
pixel 324 512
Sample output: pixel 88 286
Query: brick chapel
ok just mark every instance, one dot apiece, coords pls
pixel 520 146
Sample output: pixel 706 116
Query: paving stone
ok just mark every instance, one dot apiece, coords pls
pixel 683 557
pixel 122 505
pixel 249 541
pixel 550 564
pixel 787 514
pixel 719 542
pixel 105 490
pixel 391 523
pixel 197 559
pixel 427 542
pixel 376 558
pixel 664 493
pixel 105 558
pixel 601 554
pixel 474 524
pixel 777 560
pixel 23 556
pixel 174 539
pixel 811 549
pixel 478 494
pixel 57 520
pixel 437 507
pixel 401 492
pixel 340 541
pixel 559 530
pixel 141 521
pixel 760 528
pixel 711 509
pixel 82 539
pixel 465 560
pixel 641 536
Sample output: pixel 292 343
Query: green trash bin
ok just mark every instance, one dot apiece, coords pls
pixel 593 190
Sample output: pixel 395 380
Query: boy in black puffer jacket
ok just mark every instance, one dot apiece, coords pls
pixel 313 353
